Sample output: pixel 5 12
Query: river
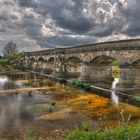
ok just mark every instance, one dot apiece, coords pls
pixel 35 105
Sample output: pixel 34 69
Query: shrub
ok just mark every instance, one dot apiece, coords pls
pixel 81 84
pixel 87 86
pixel 137 98
pixel 63 80
pixel 115 63
pixel 77 83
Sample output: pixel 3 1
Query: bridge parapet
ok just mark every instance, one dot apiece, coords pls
pixel 106 46
pixel 46 52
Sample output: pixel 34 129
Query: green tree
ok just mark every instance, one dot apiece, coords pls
pixel 10 49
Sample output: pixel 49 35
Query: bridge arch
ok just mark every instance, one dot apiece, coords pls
pixel 101 68
pixel 32 59
pixel 41 63
pixel 41 59
pixel 136 63
pixel 135 59
pixel 49 65
pixel 72 59
pixel 73 67
pixel 32 62
pixel 51 60
pixel 102 60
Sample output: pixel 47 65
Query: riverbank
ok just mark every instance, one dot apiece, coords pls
pixel 123 97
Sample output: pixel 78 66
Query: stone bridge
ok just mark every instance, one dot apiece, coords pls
pixel 90 62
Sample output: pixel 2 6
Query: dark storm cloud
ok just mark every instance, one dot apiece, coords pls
pixel 69 15
pixel 66 14
pixel 59 23
pixel 133 17
pixel 28 3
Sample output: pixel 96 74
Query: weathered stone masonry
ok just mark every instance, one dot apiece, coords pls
pixel 90 62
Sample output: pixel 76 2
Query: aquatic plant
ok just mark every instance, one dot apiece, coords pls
pixel 85 126
pixel 124 121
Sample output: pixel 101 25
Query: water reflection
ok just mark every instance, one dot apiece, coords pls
pixel 10 110
pixel 3 81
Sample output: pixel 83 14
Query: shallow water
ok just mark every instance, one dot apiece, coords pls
pixel 32 103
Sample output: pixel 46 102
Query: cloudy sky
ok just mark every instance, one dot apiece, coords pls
pixel 40 24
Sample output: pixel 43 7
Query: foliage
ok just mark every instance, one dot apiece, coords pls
pixel 87 86
pixel 115 75
pixel 85 126
pixel 115 63
pixel 9 62
pixel 11 57
pixel 10 49
pixel 119 133
pixel 81 84
pixel 63 80
pixel 137 98
pixel 115 71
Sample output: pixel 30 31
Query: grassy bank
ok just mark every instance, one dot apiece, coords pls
pixel 119 133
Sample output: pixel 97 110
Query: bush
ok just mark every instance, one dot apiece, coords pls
pixel 77 83
pixel 63 80
pixel 81 84
pixel 87 86
pixel 115 63
pixel 137 98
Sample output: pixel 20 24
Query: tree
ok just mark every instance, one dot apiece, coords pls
pixel 10 49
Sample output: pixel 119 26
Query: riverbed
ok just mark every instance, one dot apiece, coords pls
pixel 34 105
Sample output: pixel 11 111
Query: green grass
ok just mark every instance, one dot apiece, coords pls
pixel 85 126
pixel 119 133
